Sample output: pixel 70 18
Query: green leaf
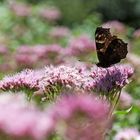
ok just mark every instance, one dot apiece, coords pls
pixel 123 112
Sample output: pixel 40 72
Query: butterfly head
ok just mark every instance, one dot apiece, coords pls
pixel 101 34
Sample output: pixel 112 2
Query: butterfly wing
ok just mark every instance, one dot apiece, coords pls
pixel 116 50
pixel 110 49
pixel 102 37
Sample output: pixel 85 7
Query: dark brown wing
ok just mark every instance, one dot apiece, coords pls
pixel 102 38
pixel 115 51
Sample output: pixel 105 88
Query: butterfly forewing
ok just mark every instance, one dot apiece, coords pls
pixel 102 38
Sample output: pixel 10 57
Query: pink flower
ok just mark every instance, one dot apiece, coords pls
pixel 125 100
pixel 64 76
pixel 49 54
pixel 20 119
pixel 3 50
pixel 136 34
pixel 25 79
pixel 114 77
pixel 50 51
pixel 20 9
pixel 81 117
pixel 6 67
pixel 26 60
pixel 50 13
pixel 128 134
pixel 39 55
pixel 73 117
pixel 116 26
pixel 55 79
pixel 59 32
pixel 81 45
pixel 25 49
pixel 26 57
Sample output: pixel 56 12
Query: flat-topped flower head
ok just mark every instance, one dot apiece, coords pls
pixel 55 79
pixel 20 119
pixel 25 79
pixel 111 78
pixel 61 75
pixel 78 117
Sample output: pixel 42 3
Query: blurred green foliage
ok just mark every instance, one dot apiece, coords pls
pixel 33 29
pixel 22 30
pixel 126 11
pixel 75 11
pixel 134 89
pixel 131 119
pixel 136 44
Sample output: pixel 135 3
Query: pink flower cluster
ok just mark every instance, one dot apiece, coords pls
pixel 21 120
pixel 59 32
pixel 116 26
pixel 25 79
pixel 80 46
pixel 29 56
pixel 6 62
pixel 40 55
pixel 136 34
pixel 73 117
pixel 24 10
pixel 80 116
pixel 50 14
pixel 68 77
pixel 128 134
pixel 100 80
pixel 20 9
pixel 3 50
pixel 114 77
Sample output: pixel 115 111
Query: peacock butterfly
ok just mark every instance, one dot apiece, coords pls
pixel 110 49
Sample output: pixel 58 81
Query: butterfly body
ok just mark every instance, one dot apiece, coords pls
pixel 110 49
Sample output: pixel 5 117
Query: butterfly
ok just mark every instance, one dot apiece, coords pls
pixel 110 49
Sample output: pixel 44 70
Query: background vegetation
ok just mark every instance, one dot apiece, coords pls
pixel 33 26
